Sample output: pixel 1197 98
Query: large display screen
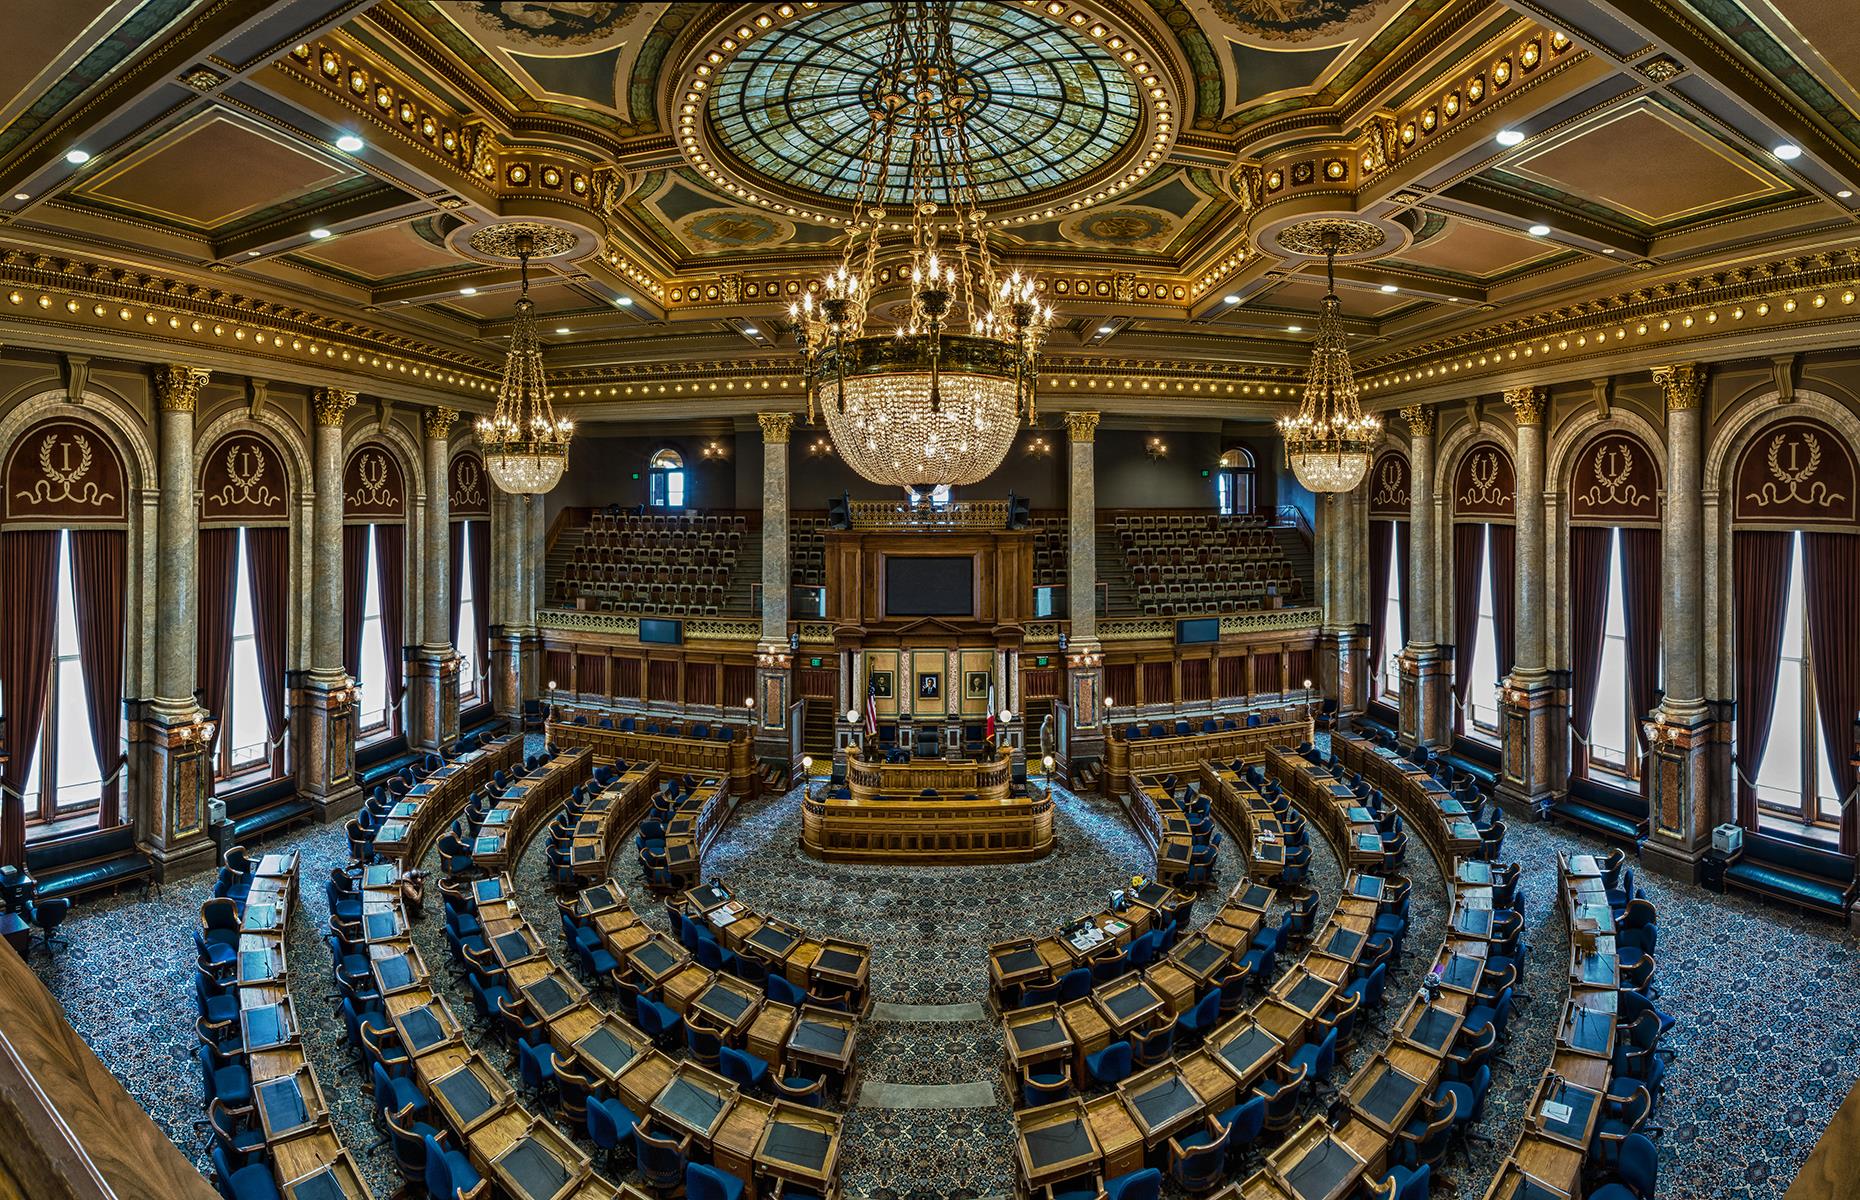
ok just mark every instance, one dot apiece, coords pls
pixel 1200 629
pixel 943 586
pixel 669 632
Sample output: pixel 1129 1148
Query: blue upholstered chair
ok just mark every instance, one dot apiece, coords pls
pixel 1636 1172
pixel 409 1146
pixel 252 1182
pixel 1198 1160
pixel 395 1095
pixel 1621 1117
pixel 1046 1084
pixel 709 1183
pixel 1075 984
pixel 1246 1122
pixel 1110 1066
pixel 1403 1183
pixel 219 932
pixel 1199 1020
pixel 782 991
pixel 242 1141
pixel 610 1127
pixel 223 1080
pixel 536 1067
pixel 663 1025
pixel 1137 1185
pixel 661 1158
pixel 746 1070
pixel 595 959
pixel 1425 1140
pixel 703 1041
pixel 1158 1043
pixel 450 1175
pixel 1283 1092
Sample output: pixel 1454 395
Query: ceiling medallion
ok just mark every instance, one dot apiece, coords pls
pixel 939 399
pixel 522 240
pixel 1343 237
pixel 1330 441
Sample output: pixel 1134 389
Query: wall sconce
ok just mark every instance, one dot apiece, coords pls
pixel 1037 444
pixel 199 732
pixel 1085 658
pixel 1157 449
pixel 774 657
pixel 712 450
pixel 820 447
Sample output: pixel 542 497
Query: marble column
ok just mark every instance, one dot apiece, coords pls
pixel 1426 668
pixel 433 668
pixel 1343 640
pixel 1528 697
pixel 323 696
pixel 513 644
pixel 774 662
pixel 1687 775
pixel 1085 700
pixel 172 756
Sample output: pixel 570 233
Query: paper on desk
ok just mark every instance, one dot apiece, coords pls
pixel 1555 1113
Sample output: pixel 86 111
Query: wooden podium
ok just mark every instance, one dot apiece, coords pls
pixel 928 810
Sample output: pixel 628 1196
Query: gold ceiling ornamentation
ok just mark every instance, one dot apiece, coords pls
pixel 506 239
pixel 1683 385
pixel 1662 69
pixel 1082 426
pixel 332 406
pixel 179 386
pixel 1345 237
pixel 438 422
pixel 776 426
pixel 1421 419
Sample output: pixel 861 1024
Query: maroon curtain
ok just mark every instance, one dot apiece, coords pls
pixel 1760 569
pixel 219 572
pixel 1831 576
pixel 1588 615
pixel 1468 544
pixel 481 591
pixel 1641 573
pixel 391 571
pixel 29 598
pixel 97 566
pixel 1503 550
pixel 354 602
pixel 268 565
pixel 1379 539
pixel 455 559
pixel 1401 572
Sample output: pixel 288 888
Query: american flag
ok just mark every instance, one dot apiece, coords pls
pixel 871 709
pixel 991 710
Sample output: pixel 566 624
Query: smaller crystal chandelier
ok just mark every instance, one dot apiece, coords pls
pixel 525 445
pixel 1330 441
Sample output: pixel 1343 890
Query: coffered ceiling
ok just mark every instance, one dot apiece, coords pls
pixel 316 168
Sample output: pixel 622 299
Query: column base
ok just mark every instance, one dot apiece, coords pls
pixel 514 675
pixel 323 732
pixel 1426 696
pixel 172 770
pixel 1082 736
pixel 1687 782
pixel 432 697
pixel 1527 707
pixel 1343 667
pixel 776 736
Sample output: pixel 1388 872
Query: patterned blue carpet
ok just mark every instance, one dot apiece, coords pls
pixel 1768 1039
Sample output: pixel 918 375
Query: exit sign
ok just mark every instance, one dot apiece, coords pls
pixel 1040 661
pixel 813 662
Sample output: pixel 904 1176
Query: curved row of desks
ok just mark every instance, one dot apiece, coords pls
pixel 417 819
pixel 733 759
pixel 610 812
pixel 307 1158
pixel 1112 1134
pixel 524 805
pixel 1125 755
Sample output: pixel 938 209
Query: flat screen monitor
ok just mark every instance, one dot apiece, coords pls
pixel 670 633
pixel 1201 629
pixel 940 586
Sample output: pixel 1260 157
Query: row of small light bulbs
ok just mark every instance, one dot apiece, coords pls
pixel 258 337
pixel 1762 308
pixel 646 389
pixel 692 104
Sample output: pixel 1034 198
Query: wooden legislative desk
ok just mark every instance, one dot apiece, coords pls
pixel 609 814
pixel 525 804
pixel 1161 820
pixel 806 961
pixel 430 805
pixel 1124 756
pixel 733 760
pixel 971 818
pixel 1024 960
pixel 1249 816
pixel 1453 834
pixel 1329 803
pixel 693 826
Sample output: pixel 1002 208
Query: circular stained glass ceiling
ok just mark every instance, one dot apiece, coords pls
pixel 1052 106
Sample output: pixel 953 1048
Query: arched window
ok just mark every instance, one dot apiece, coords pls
pixel 1234 494
pixel 666 475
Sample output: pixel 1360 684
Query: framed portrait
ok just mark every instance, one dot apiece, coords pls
pixel 975 686
pixel 881 684
pixel 929 686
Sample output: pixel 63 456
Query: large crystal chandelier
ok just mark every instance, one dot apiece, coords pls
pixel 939 398
pixel 1330 441
pixel 525 445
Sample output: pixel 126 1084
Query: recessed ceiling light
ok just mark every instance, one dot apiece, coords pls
pixel 1107 329
pixel 348 143
pixel 468 291
pixel 77 158
pixel 1389 287
pixel 252 253
pixel 561 329
pixel 1294 329
pixel 1230 299
pixel 1787 151
pixel 22 195
pixel 319 234
pixel 1844 194
pixel 751 330
pixel 1608 249
pixel 1540 231
pixel 625 302
pixel 1509 137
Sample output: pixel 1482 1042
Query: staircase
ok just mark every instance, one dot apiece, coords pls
pixel 1113 573
pixel 817 719
pixel 1295 544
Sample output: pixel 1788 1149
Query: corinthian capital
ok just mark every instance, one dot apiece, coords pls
pixel 332 405
pixel 1527 404
pixel 1683 385
pixel 1082 426
pixel 1420 418
pixel 179 386
pixel 775 426
pixel 438 422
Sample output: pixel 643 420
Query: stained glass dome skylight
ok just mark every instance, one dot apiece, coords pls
pixel 1051 106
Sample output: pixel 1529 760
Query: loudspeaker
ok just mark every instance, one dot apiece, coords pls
pixel 839 511
pixel 1019 511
